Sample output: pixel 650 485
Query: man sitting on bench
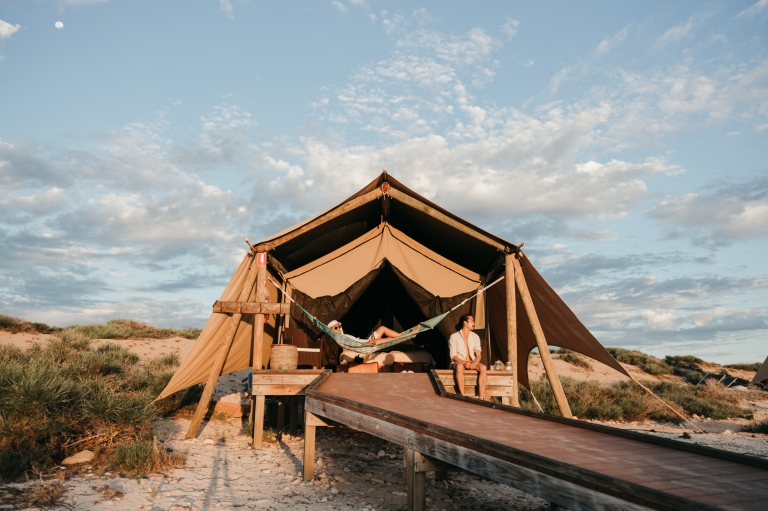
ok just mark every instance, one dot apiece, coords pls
pixel 465 350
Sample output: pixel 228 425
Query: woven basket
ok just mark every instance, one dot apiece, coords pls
pixel 284 356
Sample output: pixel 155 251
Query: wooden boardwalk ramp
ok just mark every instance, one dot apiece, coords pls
pixel 574 464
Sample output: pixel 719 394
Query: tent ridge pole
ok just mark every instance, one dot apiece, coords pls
pixel 258 402
pixel 221 356
pixel 541 341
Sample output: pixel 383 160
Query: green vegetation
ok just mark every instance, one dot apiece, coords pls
pixel 760 427
pixel 126 328
pixel 65 396
pixel 16 325
pixel 143 457
pixel 572 357
pixel 745 367
pixel 647 363
pixel 688 367
pixel 626 401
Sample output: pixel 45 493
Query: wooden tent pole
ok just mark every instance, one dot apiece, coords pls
pixel 541 341
pixel 509 271
pixel 258 402
pixel 221 357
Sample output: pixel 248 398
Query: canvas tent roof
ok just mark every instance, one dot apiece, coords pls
pixel 387 231
pixel 762 373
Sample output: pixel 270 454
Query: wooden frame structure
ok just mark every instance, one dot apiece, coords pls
pixel 252 296
pixel 566 485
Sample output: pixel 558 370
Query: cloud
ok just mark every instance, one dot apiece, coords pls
pixel 340 6
pixel 610 43
pixel 720 214
pixel 7 30
pixel 226 6
pixel 675 33
pixel 510 27
pixel 753 10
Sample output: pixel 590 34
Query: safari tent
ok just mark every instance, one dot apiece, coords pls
pixel 762 373
pixel 386 253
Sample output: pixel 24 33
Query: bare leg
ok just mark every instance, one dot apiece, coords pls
pixel 482 377
pixel 383 331
pixel 458 375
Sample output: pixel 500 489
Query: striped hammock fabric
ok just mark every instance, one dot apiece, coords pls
pixel 353 344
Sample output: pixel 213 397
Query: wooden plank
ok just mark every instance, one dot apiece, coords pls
pixel 490 390
pixel 311 419
pixel 259 407
pixel 309 451
pixel 277 377
pixel 509 269
pixel 221 356
pixel 320 220
pixel 251 308
pixel 428 210
pixel 541 342
pixel 560 491
pixel 416 483
pixel 294 415
pixel 256 347
pixel 278 390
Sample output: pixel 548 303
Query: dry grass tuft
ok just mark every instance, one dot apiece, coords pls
pixel 15 325
pixel 44 494
pixel 627 402
pixel 647 363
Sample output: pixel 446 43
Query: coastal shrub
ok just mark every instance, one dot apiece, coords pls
pixel 626 401
pixel 687 367
pixel 745 367
pixel 760 427
pixel 142 457
pixel 572 357
pixel 126 328
pixel 15 325
pixel 62 396
pixel 647 363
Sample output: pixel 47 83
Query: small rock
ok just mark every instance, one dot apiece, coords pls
pixel 727 432
pixel 81 457
pixel 377 481
pixel 381 453
pixel 266 471
pixel 208 441
pixel 334 490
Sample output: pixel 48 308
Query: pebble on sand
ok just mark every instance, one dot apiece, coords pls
pixel 81 457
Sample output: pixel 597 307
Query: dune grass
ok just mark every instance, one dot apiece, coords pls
pixel 126 328
pixel 66 395
pixel 760 427
pixel 572 357
pixel 15 325
pixel 745 367
pixel 628 402
pixel 647 363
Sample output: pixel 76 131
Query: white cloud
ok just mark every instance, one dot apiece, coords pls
pixel 226 6
pixel 510 27
pixel 357 2
pixel 340 6
pixel 528 63
pixel 733 134
pixel 610 43
pixel 675 33
pixel 720 214
pixel 7 30
pixel 753 10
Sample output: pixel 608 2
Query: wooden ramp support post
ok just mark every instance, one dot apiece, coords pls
pixel 311 421
pixel 509 279
pixel 416 467
pixel 541 341
pixel 258 402
pixel 221 356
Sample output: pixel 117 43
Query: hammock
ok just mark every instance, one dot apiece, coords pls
pixel 352 344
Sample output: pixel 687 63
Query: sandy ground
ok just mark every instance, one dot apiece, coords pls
pixel 223 472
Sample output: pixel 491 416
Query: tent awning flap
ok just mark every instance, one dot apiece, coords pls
pixel 335 272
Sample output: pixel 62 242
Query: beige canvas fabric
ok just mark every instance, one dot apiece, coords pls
pixel 762 373
pixel 341 268
pixel 198 364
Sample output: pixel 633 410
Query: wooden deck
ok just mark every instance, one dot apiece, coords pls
pixel 574 464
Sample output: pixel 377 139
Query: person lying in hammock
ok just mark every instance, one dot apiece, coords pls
pixel 381 334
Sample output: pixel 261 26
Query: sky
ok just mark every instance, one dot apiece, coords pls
pixel 625 143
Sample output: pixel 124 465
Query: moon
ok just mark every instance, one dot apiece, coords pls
pixel 58 24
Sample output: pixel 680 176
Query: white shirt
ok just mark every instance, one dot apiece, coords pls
pixel 457 347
